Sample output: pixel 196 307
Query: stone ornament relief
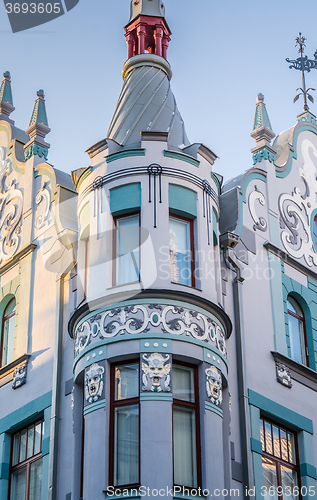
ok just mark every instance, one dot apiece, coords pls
pixel 19 376
pixel 94 383
pixel 214 385
pixel 259 222
pixel 296 210
pixel 156 369
pixel 154 318
pixel 283 375
pixel 43 195
pixel 11 201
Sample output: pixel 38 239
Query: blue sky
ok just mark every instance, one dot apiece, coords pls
pixel 222 54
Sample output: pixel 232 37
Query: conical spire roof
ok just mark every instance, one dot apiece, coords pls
pixel 6 102
pixel 261 118
pixel 39 111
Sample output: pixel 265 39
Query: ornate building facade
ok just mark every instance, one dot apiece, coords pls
pixel 159 327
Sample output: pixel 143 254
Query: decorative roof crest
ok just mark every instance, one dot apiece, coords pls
pixel 303 64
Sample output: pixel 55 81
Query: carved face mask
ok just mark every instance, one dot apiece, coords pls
pixel 215 384
pixel 156 369
pixel 94 380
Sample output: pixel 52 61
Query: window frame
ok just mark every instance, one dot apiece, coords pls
pixel 4 319
pixel 301 318
pixel 28 461
pixel 280 461
pixel 114 247
pixel 191 243
pixel 193 406
pixel 116 404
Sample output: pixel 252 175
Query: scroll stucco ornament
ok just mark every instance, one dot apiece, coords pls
pixel 141 318
pixel 94 383
pixel 283 375
pixel 5 167
pixel 259 222
pixel 156 372
pixel 214 385
pixel 19 376
pixel 11 202
pixel 296 210
pixel 43 195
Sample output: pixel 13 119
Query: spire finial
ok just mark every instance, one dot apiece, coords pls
pixel 303 64
pixel 6 102
pixel 262 133
pixel 37 130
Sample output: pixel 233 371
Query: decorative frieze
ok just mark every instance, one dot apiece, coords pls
pixel 155 318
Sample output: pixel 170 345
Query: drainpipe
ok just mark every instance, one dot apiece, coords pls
pixel 56 390
pixel 229 241
pixel 57 372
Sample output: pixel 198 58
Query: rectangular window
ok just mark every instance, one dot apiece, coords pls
pixel 181 236
pixel 127 249
pixel 125 425
pixel 26 463
pixel 279 462
pixel 186 435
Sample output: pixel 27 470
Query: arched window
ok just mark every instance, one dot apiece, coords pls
pixel 297 331
pixel 7 333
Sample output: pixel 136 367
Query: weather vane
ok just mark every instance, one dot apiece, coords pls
pixel 303 64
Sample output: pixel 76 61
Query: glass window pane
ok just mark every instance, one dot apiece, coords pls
pixel 8 340
pixel 128 243
pixel 262 434
pixel 29 453
pixel 23 446
pixel 18 482
pixel 126 445
pixel 36 480
pixel 184 441
pixel 127 382
pixel 291 448
pixel 269 479
pixel 37 440
pixel 268 438
pixel 293 306
pixel 180 253
pixel 15 451
pixel 276 442
pixel 183 383
pixel 284 446
pixel 289 481
pixel 295 333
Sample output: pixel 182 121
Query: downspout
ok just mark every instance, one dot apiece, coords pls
pixel 56 382
pixel 245 423
pixel 56 390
